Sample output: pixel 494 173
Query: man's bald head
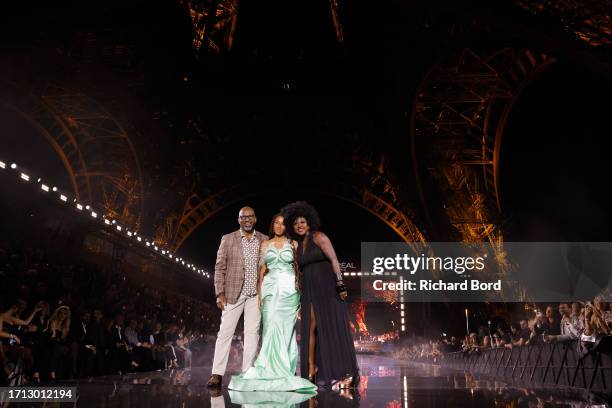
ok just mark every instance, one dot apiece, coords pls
pixel 246 209
pixel 247 219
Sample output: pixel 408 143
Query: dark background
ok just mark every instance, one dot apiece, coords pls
pixel 289 98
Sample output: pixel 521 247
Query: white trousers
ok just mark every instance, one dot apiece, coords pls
pixel 229 319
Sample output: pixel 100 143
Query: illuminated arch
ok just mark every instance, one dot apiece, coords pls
pixel 96 151
pixel 198 210
pixel 460 113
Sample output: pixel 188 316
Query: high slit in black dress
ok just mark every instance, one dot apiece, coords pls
pixel 335 352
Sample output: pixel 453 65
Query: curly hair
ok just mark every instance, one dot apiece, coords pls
pixel 293 211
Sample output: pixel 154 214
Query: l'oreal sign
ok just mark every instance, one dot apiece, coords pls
pixel 347 266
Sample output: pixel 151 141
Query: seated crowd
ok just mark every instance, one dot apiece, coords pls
pixel 588 322
pixel 61 321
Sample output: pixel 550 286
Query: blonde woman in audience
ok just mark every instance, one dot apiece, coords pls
pixel 59 326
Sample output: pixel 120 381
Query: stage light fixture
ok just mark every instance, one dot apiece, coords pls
pixel 403 328
pixel 79 206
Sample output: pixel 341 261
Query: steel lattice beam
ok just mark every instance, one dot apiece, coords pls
pixel 213 24
pixel 197 210
pixel 96 151
pixel 460 114
pixel 589 20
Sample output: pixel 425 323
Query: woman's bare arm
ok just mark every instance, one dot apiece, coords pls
pixel 19 322
pixel 326 246
pixel 3 334
pixel 262 268
pixel 262 261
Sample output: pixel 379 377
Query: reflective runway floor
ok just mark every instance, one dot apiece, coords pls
pixel 385 382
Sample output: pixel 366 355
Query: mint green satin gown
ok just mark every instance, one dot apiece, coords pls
pixel 275 366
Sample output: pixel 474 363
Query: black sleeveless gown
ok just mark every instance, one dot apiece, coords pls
pixel 334 348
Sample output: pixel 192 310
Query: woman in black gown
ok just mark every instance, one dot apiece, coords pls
pixel 327 352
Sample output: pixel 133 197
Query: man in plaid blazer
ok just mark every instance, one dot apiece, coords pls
pixel 236 274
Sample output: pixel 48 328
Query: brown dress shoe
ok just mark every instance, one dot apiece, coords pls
pixel 215 381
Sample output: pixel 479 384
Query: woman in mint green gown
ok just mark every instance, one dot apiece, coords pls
pixel 275 367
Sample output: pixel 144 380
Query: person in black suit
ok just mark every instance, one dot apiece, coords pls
pixel 81 357
pixel 119 349
pixel 96 342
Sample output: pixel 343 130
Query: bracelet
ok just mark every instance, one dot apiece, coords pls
pixel 341 288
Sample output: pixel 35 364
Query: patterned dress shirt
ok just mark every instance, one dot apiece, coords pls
pixel 250 250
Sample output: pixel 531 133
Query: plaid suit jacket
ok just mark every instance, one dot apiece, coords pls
pixel 229 267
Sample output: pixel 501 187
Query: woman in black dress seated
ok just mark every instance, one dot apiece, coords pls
pixel 327 352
